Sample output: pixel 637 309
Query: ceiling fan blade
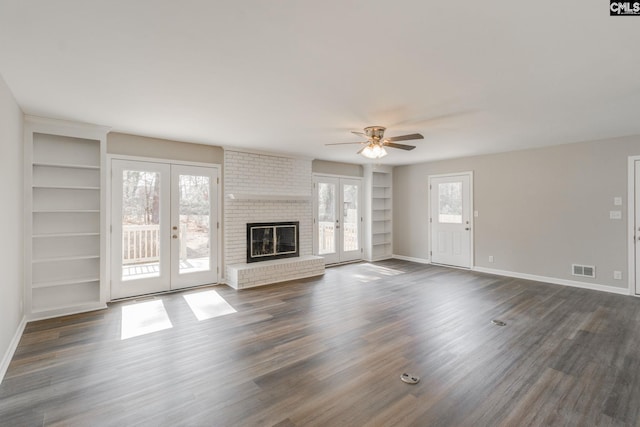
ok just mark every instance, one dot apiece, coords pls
pixel 361 150
pixel 359 133
pixel 400 146
pixel 344 143
pixel 405 137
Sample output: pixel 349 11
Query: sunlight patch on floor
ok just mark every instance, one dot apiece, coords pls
pixel 371 272
pixel 208 304
pixel 144 318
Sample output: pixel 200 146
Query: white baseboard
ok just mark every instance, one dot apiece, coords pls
pixel 555 281
pixel 13 345
pixel 51 314
pixel 412 259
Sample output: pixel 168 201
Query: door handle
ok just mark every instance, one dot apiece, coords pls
pixel 467 228
pixel 175 236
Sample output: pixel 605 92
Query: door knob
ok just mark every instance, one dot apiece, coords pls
pixel 467 229
pixel 175 236
pixel 175 227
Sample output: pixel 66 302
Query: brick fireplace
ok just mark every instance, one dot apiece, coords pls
pixel 262 188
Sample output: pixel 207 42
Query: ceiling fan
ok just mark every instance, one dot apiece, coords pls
pixel 374 147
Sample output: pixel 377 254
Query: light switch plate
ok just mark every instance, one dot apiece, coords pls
pixel 475 214
pixel 615 214
pixel 617 201
pixel 617 275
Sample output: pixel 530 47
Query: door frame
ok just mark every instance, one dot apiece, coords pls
pixel 177 281
pixel 314 220
pixel 472 214
pixel 161 282
pixel 633 286
pixel 107 223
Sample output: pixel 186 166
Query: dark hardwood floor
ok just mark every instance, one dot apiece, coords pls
pixel 330 351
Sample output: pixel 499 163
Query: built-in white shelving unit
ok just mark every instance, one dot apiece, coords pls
pixel 64 196
pixel 378 203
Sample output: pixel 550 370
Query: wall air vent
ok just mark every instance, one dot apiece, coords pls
pixel 583 270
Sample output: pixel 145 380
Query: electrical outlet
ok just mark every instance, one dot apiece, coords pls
pixel 617 201
pixel 615 214
pixel 490 258
pixel 617 275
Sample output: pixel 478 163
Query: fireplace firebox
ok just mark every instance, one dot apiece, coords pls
pixel 272 240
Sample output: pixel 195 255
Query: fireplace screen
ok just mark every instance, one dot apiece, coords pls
pixel 272 241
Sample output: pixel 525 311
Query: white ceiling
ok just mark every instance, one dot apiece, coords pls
pixel 290 76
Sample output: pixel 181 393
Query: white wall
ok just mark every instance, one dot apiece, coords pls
pixel 141 146
pixel 12 217
pixel 539 210
pixel 336 168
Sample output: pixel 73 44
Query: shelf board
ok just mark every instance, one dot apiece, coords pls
pixel 54 283
pixel 66 211
pixel 48 235
pixel 65 258
pixel 65 187
pixel 65 165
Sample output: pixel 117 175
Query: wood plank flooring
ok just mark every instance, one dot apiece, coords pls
pixel 329 351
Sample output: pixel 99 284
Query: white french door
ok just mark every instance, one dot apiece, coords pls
pixel 337 220
pixel 636 226
pixel 164 227
pixel 450 219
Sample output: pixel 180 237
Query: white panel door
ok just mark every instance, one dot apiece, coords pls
pixel 637 227
pixel 140 221
pixel 337 219
pixel 194 232
pixel 450 220
pixel 350 220
pixel 164 227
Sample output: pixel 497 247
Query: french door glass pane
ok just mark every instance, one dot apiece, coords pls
pixel 350 217
pixel 326 218
pixel 140 224
pixel 195 233
pixel 450 202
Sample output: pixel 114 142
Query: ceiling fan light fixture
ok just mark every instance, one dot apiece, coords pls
pixel 374 151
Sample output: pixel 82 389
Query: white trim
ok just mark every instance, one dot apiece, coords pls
pixel 412 259
pixel 333 175
pixel 553 280
pixel 266 153
pixel 111 157
pixel 13 345
pixel 631 218
pixel 330 175
pixel 65 128
pixel 267 197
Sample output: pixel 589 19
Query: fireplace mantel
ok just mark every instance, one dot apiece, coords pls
pixel 276 197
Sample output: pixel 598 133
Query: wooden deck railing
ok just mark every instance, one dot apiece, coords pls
pixel 326 231
pixel 141 244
